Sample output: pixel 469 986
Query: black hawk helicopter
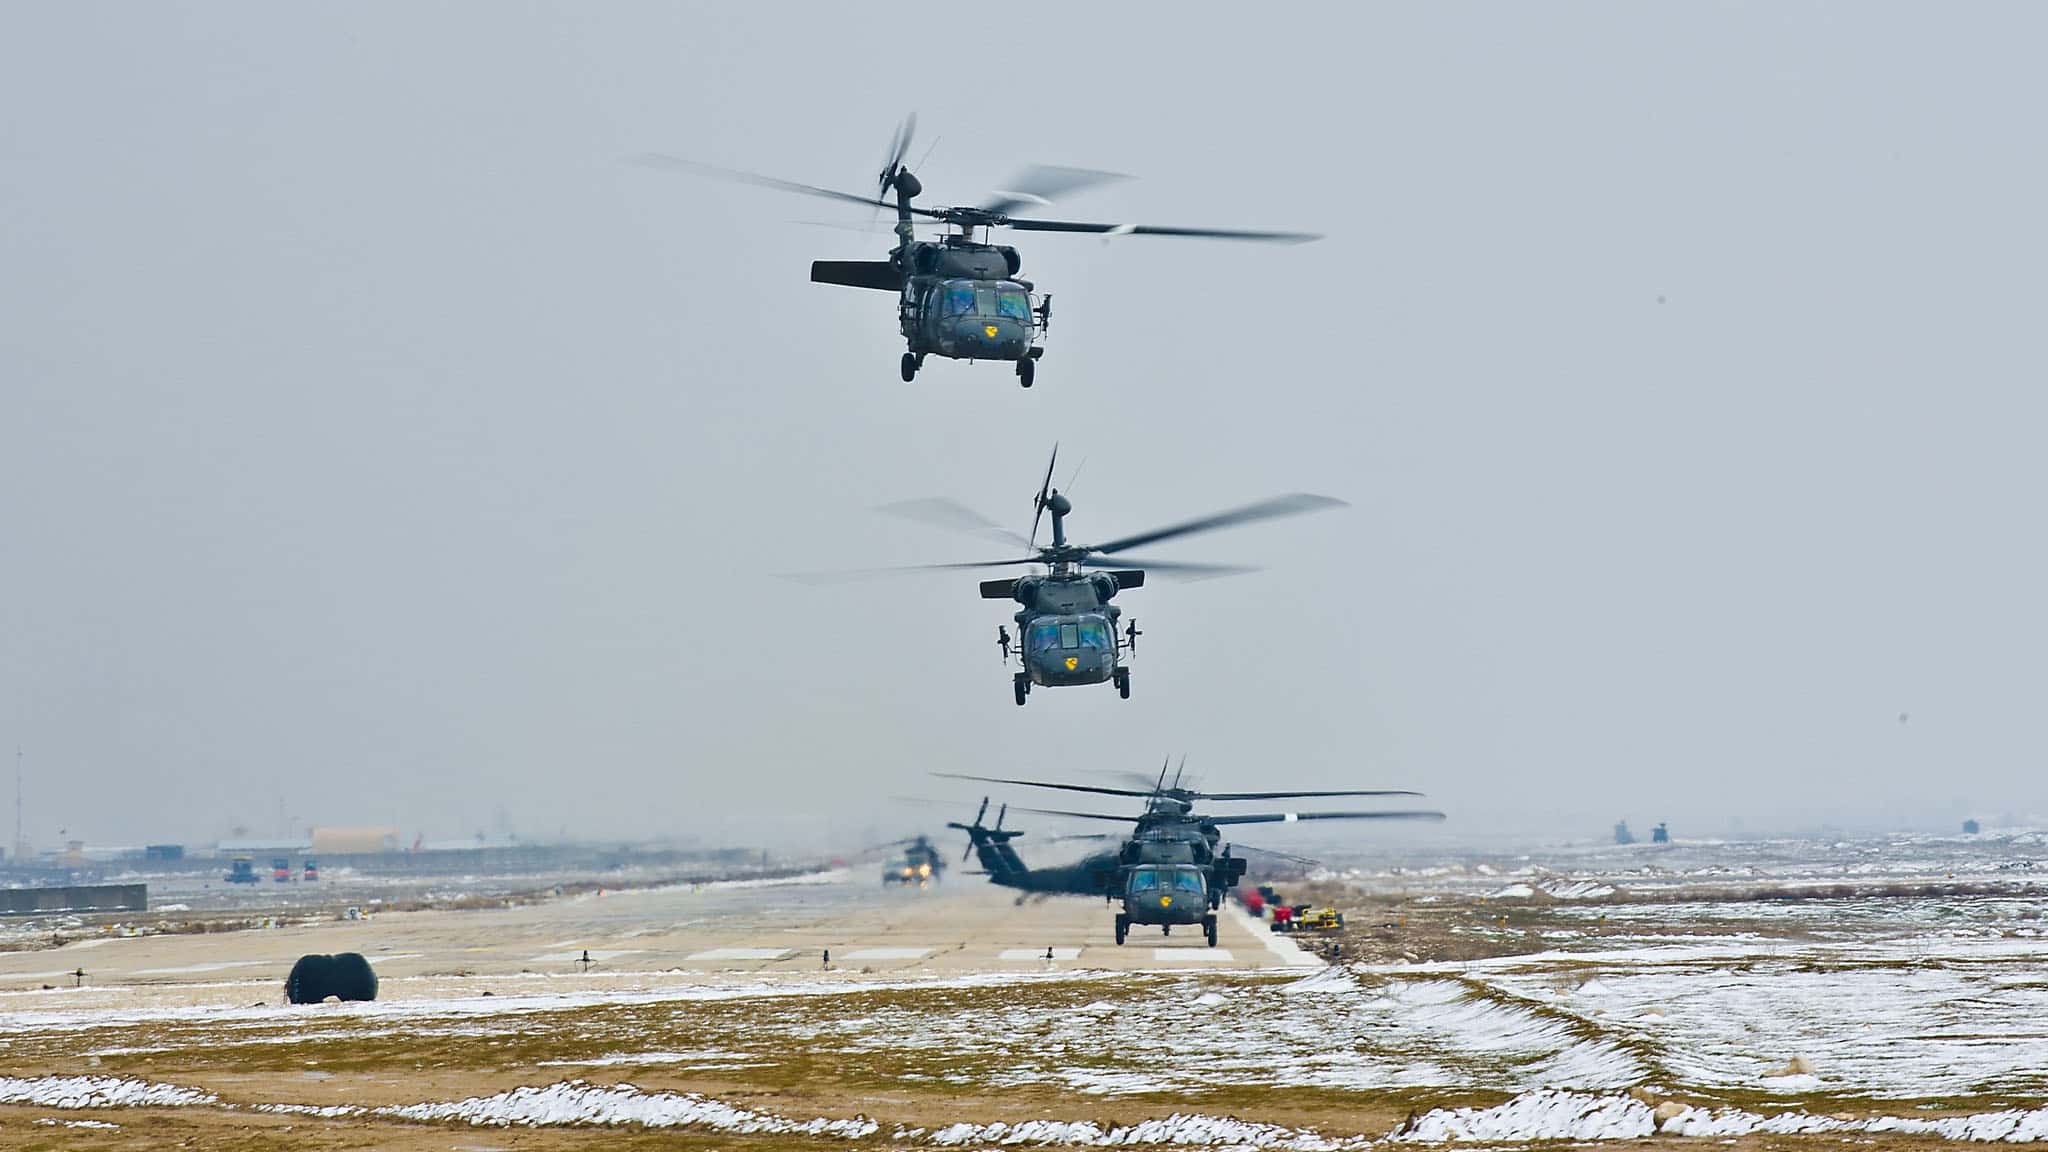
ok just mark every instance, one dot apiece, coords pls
pixel 920 864
pixel 1174 867
pixel 1068 631
pixel 959 297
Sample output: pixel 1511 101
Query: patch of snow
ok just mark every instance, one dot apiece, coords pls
pixel 96 1092
pixel 574 1102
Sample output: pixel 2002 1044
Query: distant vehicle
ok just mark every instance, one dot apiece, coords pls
pixel 1660 835
pixel 1303 918
pixel 281 869
pixel 1621 833
pixel 920 863
pixel 312 871
pixel 242 871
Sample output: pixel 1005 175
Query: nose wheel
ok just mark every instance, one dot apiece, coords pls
pixel 1027 370
pixel 1022 684
pixel 1123 683
pixel 911 363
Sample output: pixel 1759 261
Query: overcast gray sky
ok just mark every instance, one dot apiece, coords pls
pixel 376 446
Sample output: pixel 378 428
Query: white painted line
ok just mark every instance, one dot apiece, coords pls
pixel 597 954
pixel 379 959
pixel 1220 955
pixel 742 954
pixel 889 954
pixel 1290 953
pixel 1039 954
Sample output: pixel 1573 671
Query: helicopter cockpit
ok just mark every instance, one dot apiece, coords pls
pixel 1165 895
pixel 1000 299
pixel 1070 633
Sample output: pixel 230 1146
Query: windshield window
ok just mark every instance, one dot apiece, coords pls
pixel 1188 881
pixel 1070 635
pixel 1094 634
pixel 956 300
pixel 1044 636
pixel 1013 303
pixel 1144 880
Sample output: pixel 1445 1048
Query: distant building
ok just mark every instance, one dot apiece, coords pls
pixel 1660 835
pixel 163 853
pixel 1969 827
pixel 353 841
pixel 1621 833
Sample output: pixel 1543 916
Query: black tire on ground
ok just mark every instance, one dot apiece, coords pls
pixel 309 979
pixel 351 977
pixel 909 367
pixel 1027 370
pixel 1209 929
pixel 1123 928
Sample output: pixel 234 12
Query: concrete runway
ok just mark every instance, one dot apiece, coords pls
pixel 964 925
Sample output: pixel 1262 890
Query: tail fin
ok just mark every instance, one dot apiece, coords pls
pixel 991 846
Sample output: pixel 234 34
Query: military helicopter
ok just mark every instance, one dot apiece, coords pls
pixel 1173 868
pixel 959 297
pixel 1068 631
pixel 920 864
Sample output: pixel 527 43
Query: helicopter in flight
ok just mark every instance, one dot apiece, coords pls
pixel 1068 632
pixel 1173 868
pixel 959 297
pixel 920 864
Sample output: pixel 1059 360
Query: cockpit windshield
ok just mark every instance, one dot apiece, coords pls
pixel 1094 634
pixel 1045 635
pixel 1180 880
pixel 967 299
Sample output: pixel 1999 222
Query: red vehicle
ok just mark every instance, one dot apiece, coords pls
pixel 281 870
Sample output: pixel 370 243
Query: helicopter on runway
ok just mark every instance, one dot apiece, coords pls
pixel 1068 631
pixel 959 297
pixel 1173 869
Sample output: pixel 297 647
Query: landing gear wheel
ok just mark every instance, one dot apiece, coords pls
pixel 1023 687
pixel 909 367
pixel 1166 929
pixel 1209 929
pixel 1123 929
pixel 1027 370
pixel 1123 683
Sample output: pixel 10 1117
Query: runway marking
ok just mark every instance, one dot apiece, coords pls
pixel 571 957
pixel 184 969
pixel 1290 953
pixel 382 957
pixel 890 954
pixel 1039 954
pixel 742 954
pixel 1199 954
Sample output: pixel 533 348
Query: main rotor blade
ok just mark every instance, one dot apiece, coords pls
pixel 1183 568
pixel 851 575
pixel 1028 225
pixel 1291 504
pixel 1294 795
pixel 1046 784
pixel 1083 815
pixel 1291 817
pixel 1237 846
pixel 940 512
pixel 667 163
pixel 1041 184
pixel 1044 492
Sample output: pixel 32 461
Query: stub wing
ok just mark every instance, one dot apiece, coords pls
pixel 877 274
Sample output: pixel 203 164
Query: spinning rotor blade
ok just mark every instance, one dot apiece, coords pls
pixel 1287 856
pixel 1044 493
pixel 667 163
pixel 1291 817
pixel 1041 184
pixel 1028 225
pixel 851 575
pixel 1083 815
pixel 1044 784
pixel 1289 505
pixel 940 512
pixel 1183 568
pixel 1293 795
pixel 899 145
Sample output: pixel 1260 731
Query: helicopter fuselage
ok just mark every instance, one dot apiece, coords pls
pixel 1067 631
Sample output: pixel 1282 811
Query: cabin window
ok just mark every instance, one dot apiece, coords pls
pixel 1070 635
pixel 1013 304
